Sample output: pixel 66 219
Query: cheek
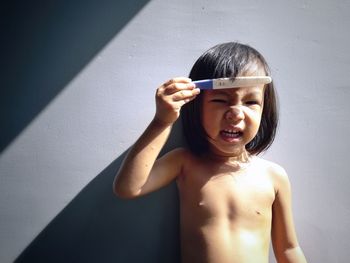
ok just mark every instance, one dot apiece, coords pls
pixel 207 122
pixel 210 120
pixel 255 118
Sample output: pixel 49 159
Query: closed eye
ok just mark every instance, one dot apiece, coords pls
pixel 219 101
pixel 252 102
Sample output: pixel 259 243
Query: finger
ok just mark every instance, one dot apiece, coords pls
pixel 185 94
pixel 177 80
pixel 189 99
pixel 175 87
pixel 178 104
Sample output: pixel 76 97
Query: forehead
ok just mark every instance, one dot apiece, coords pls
pixel 234 92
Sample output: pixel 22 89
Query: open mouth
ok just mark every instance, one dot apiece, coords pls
pixel 231 134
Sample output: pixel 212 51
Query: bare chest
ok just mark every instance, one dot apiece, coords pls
pixel 243 198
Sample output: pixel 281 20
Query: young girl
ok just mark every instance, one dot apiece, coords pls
pixel 231 201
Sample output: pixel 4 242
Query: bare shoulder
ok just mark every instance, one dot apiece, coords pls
pixel 179 151
pixel 180 155
pixel 187 161
pixel 276 172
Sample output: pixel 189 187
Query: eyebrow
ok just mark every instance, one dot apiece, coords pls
pixel 230 94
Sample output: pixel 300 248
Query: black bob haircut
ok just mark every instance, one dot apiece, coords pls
pixel 229 60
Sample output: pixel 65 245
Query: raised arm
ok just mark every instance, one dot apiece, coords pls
pixel 284 239
pixel 140 173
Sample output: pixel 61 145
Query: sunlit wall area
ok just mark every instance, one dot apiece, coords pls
pixel 79 89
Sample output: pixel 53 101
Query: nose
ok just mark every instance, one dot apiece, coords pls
pixel 235 113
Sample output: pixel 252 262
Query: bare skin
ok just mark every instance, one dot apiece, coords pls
pixel 231 203
pixel 227 210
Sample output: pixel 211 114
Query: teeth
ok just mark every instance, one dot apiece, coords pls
pixel 231 131
pixel 232 135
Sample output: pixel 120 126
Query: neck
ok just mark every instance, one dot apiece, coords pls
pixel 238 160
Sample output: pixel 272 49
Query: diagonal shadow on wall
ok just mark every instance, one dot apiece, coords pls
pixel 45 44
pixel 96 226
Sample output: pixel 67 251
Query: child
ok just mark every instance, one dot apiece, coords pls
pixel 231 201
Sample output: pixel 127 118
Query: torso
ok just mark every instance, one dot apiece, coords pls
pixel 225 214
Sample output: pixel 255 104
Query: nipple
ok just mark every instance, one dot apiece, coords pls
pixel 201 203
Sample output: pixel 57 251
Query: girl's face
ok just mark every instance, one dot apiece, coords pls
pixel 231 118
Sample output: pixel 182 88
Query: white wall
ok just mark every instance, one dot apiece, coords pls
pixel 99 113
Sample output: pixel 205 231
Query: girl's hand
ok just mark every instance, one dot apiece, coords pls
pixel 171 96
